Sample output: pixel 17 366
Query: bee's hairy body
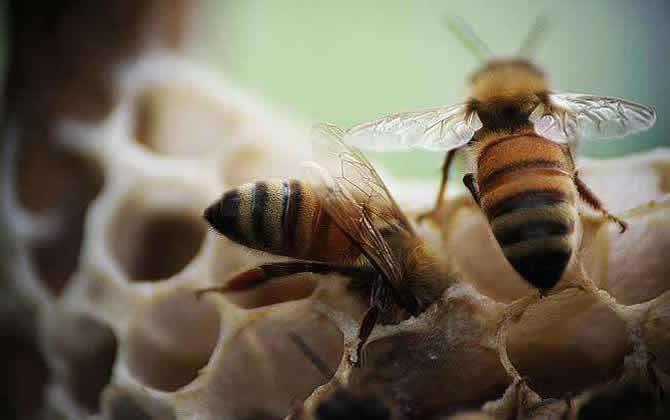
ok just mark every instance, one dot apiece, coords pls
pixel 525 182
pixel 282 217
pixel 286 218
pixel 528 194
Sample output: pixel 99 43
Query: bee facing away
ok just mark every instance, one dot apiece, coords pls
pixel 347 224
pixel 519 137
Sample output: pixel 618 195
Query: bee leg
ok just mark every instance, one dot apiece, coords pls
pixel 379 299
pixel 368 323
pixel 443 187
pixel 257 276
pixel 513 312
pixel 594 202
pixel 470 184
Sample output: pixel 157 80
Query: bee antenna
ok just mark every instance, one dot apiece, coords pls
pixel 468 37
pixel 531 43
pixel 312 356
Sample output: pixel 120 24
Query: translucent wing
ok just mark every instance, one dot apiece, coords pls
pixel 437 129
pixel 575 117
pixel 360 204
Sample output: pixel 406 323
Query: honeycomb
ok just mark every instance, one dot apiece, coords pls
pixel 108 246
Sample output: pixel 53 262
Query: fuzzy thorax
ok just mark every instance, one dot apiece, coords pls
pixel 507 79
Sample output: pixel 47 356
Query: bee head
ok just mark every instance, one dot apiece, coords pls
pixel 504 78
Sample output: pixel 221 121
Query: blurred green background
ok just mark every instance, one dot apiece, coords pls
pixel 350 61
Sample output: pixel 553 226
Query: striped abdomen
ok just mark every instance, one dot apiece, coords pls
pixel 282 217
pixel 527 191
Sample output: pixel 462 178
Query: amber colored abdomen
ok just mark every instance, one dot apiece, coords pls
pixel 528 194
pixel 282 217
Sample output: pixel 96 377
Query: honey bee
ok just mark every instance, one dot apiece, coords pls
pixel 347 224
pixel 340 403
pixel 519 137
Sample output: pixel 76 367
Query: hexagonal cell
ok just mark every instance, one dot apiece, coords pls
pixel 87 350
pixel 171 339
pixel 152 244
pixel 438 370
pixel 250 161
pixel 49 176
pixel 254 157
pixel 52 179
pixel 634 265
pixel 260 372
pixel 178 120
pixel 571 331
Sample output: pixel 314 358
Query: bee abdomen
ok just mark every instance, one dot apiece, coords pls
pixel 272 216
pixel 282 217
pixel 528 193
pixel 536 233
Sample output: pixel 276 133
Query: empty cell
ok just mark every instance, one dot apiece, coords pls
pixel 56 181
pixel 155 244
pixel 171 339
pixel 87 349
pixel 176 120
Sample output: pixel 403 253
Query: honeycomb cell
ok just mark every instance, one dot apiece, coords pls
pixel 176 120
pixel 155 244
pixel 51 179
pixel 567 329
pixel 87 349
pixel 261 372
pixel 171 339
pixel 48 175
pixel 637 267
pixel 249 160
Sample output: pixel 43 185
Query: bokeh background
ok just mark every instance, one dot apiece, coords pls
pixel 350 61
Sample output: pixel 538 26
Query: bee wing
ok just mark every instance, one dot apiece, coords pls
pixel 575 116
pixel 437 129
pixel 357 199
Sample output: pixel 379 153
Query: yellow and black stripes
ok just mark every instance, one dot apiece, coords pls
pixel 282 217
pixel 528 194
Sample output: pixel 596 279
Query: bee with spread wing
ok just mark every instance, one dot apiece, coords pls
pixel 344 221
pixel 519 136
